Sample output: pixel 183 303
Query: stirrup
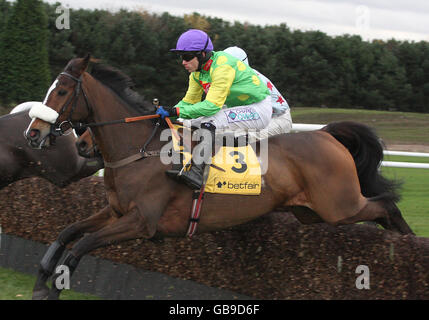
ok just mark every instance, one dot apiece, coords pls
pixel 174 171
pixel 192 179
pixel 174 174
pixel 177 170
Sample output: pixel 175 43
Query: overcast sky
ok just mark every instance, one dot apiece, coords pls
pixel 372 19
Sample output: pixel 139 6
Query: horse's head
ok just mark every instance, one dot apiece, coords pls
pixel 64 103
pixel 86 145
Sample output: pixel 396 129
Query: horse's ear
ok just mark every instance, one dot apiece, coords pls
pixel 85 62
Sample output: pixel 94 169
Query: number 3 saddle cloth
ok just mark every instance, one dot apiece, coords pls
pixel 234 170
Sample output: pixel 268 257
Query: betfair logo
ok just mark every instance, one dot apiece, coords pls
pixel 237 186
pixel 220 184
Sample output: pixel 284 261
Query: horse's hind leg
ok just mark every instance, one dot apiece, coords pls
pixel 392 218
pixel 56 249
pixel 395 219
pixel 373 210
pixel 383 211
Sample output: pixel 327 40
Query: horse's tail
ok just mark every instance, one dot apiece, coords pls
pixel 367 151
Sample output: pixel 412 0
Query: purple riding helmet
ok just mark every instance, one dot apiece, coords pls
pixel 195 41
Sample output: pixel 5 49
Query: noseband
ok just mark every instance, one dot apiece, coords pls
pixel 94 148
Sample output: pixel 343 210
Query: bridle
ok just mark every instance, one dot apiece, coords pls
pixel 59 129
pixel 56 129
pixel 94 149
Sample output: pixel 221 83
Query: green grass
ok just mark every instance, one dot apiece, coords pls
pixel 18 286
pixel 393 127
pixel 415 192
pixel 415 197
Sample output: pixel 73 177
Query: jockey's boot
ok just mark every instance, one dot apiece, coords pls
pixel 195 175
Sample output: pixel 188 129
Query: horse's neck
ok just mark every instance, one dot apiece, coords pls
pixel 13 126
pixel 116 141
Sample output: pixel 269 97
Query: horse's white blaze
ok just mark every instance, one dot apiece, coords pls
pixel 43 112
pixel 52 87
pixel 29 126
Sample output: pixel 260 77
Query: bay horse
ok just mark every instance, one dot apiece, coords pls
pixel 59 164
pixel 86 146
pixel 328 175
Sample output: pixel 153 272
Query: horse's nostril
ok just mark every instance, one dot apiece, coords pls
pixel 82 146
pixel 34 134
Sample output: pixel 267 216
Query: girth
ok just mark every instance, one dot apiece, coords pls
pixel 141 155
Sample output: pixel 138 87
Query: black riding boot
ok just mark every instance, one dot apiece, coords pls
pixel 195 175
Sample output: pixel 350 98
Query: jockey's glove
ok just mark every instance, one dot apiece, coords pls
pixel 167 112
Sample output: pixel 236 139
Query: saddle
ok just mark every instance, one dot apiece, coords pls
pixel 234 168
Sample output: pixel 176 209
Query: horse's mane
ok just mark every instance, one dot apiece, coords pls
pixel 122 85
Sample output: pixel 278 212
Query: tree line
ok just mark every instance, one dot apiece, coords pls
pixel 309 68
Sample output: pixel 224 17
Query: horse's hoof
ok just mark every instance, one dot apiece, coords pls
pixel 54 294
pixel 41 294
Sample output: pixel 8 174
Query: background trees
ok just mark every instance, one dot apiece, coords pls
pixel 309 68
pixel 24 67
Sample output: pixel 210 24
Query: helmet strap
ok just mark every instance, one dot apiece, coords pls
pixel 202 60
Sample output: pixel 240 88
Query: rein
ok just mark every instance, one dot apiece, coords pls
pixel 119 121
pixel 142 152
pixel 140 155
pixel 56 129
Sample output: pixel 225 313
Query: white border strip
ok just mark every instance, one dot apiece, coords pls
pixel 403 153
pixel 405 164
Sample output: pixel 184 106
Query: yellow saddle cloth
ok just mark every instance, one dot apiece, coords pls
pixel 241 172
pixel 234 170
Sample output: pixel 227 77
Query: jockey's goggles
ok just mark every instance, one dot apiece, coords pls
pixel 188 56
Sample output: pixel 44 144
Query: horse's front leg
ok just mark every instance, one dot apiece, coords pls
pixel 56 249
pixel 130 226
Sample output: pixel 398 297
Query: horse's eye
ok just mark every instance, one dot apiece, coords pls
pixel 62 92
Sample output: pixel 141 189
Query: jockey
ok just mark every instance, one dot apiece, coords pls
pixel 236 98
pixel 281 121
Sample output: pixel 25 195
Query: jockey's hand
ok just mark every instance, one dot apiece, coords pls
pixel 167 112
